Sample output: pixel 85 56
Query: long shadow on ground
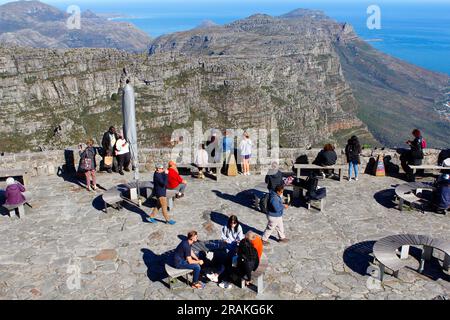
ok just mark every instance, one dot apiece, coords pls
pixel 386 198
pixel 155 264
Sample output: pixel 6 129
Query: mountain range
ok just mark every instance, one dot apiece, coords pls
pixel 312 75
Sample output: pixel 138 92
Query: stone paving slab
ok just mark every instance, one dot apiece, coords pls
pixel 66 237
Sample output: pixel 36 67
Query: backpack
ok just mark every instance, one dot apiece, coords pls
pixel 311 183
pixel 424 143
pixel 312 192
pixel 264 203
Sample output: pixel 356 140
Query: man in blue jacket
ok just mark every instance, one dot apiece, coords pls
pixel 160 192
pixel 275 215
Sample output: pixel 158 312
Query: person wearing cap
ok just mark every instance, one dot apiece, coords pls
pixel 123 153
pixel 174 180
pixel 441 195
pixel 160 178
pixel 15 193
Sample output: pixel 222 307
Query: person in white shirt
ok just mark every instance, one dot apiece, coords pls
pixel 246 153
pixel 123 154
pixel 201 160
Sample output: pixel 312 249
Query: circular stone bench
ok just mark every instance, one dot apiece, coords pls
pixel 406 193
pixel 385 251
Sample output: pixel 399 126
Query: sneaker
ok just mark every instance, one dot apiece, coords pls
pixel 127 169
pixel 121 173
pixel 213 277
pixel 283 240
pixel 94 188
pixel 109 171
pixel 151 220
pixel 225 285
pixel 356 179
pixel 171 222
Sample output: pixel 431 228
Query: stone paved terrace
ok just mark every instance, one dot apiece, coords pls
pixel 327 257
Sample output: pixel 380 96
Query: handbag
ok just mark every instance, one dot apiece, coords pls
pixel 108 161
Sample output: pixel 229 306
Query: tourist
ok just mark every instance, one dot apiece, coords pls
pixel 201 160
pixel 227 146
pixel 352 152
pixel 108 144
pixel 123 154
pixel 248 258
pixel 256 242
pixel 441 195
pixel 232 234
pixel 326 157
pixel 212 148
pixel 414 156
pixel 160 192
pixel 15 193
pixel 185 258
pixel 246 152
pixel 88 165
pixel 275 211
pixel 174 180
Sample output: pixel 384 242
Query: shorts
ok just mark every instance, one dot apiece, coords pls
pixel 247 157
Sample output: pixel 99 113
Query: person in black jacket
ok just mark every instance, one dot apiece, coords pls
pixel 108 143
pixel 414 156
pixel 248 259
pixel 352 151
pixel 326 157
pixel 160 178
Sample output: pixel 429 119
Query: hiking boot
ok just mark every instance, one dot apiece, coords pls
pixel 283 240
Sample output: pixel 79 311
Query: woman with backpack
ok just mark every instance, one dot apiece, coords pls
pixel 415 155
pixel 352 151
pixel 88 165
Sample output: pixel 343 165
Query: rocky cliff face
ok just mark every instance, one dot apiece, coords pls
pixel 241 75
pixel 38 25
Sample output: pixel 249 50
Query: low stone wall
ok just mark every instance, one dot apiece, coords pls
pixel 49 162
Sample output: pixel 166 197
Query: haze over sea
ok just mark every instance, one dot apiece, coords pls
pixel 418 32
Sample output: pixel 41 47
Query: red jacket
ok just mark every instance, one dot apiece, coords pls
pixel 174 179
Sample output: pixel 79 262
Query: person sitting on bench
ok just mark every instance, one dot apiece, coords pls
pixel 174 180
pixel 414 156
pixel 15 193
pixel 201 160
pixel 185 258
pixel 326 157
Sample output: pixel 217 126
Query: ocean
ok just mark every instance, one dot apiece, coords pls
pixel 416 32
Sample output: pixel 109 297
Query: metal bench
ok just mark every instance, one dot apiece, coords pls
pixel 192 167
pixel 299 192
pixel 17 209
pixel 175 273
pixel 428 167
pixel 385 251
pixel 406 193
pixel 340 168
pixel 259 274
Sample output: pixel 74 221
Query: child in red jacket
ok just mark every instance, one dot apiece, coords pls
pixel 175 182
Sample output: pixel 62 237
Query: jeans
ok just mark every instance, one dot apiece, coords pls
pixel 181 187
pixel 353 164
pixel 195 267
pixel 124 160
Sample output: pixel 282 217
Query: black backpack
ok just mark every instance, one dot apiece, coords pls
pixel 264 203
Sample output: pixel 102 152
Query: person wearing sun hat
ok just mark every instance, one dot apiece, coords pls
pixel 160 178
